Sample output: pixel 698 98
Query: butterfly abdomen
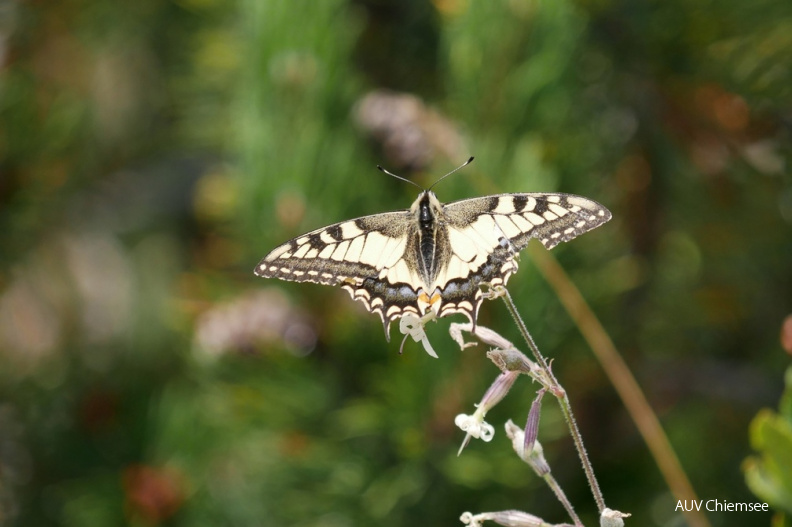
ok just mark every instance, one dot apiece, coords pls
pixel 432 237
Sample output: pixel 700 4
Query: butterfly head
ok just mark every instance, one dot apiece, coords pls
pixel 426 209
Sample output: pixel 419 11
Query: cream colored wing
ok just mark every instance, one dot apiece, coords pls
pixel 367 256
pixel 485 234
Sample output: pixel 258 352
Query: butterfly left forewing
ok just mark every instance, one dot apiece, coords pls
pixel 365 256
pixel 329 255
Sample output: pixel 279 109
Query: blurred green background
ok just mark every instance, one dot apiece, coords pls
pixel 151 152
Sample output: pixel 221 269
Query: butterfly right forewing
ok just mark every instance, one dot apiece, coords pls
pixel 551 218
pixel 487 233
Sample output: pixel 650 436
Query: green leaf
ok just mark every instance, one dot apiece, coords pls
pixel 769 476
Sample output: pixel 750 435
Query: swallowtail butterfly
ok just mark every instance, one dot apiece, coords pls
pixel 433 255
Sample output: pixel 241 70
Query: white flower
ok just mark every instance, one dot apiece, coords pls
pixel 469 519
pixel 474 425
pixel 413 326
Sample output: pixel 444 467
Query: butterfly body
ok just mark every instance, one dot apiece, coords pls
pixel 433 256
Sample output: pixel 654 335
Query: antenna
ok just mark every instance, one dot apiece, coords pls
pixel 463 165
pixel 399 177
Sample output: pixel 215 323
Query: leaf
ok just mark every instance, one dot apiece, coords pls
pixel 769 476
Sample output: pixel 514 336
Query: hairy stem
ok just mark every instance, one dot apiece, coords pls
pixel 623 381
pixel 553 484
pixel 557 390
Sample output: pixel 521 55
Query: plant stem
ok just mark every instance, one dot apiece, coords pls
pixel 556 488
pixel 561 395
pixel 623 381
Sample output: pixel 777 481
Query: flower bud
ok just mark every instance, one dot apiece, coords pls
pixel 512 360
pixel 532 424
pixel 611 518
pixel 505 518
pixel 535 458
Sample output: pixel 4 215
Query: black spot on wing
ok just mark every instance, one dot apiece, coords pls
pixel 335 232
pixel 316 241
pixel 519 201
pixel 491 203
pixel 382 297
pixel 458 290
pixel 392 294
pixel 541 206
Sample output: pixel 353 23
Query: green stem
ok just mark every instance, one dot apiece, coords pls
pixel 556 488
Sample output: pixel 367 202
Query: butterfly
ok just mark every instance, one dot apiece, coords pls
pixel 433 256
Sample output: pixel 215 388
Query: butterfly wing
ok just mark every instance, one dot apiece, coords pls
pixel 485 234
pixel 377 258
pixel 366 256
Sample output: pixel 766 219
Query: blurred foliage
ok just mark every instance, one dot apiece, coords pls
pixel 151 152
pixel 770 477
